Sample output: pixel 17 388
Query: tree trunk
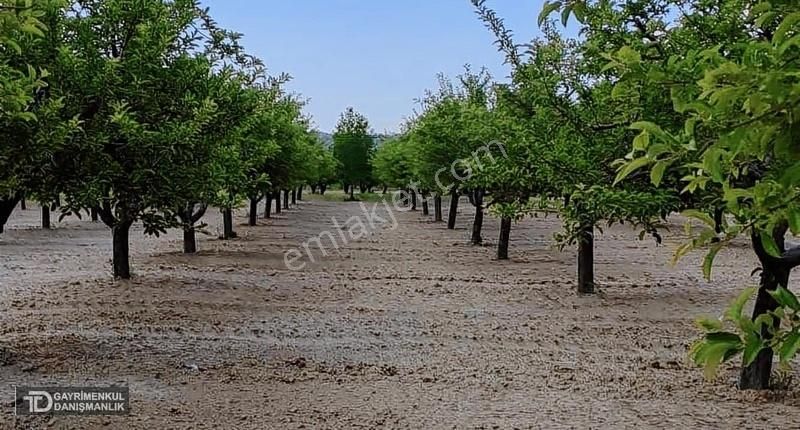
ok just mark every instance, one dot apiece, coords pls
pixel 477 225
pixel 586 260
pixel 322 189
pixel 719 218
pixel 94 215
pixel 352 192
pixel 268 205
pixel 46 217
pixel 189 218
pixel 300 194
pixel 437 208
pixel 286 199
pixel 23 204
pixel 385 189
pixel 451 216
pixel 277 202
pixel 227 224
pixel 425 208
pixel 189 240
pixel 758 375
pixel 775 273
pixel 413 201
pixel 7 206
pixel 121 260
pixel 294 197
pixel 505 235
pixel 253 215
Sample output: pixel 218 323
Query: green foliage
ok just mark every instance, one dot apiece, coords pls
pixel 749 337
pixel 562 123
pixel 32 127
pixel 447 136
pixel 321 167
pixel 728 146
pixel 353 147
pixel 142 109
pixel 393 163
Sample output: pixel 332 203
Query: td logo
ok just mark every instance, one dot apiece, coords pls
pixel 39 402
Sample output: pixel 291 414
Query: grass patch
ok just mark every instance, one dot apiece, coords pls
pixel 340 196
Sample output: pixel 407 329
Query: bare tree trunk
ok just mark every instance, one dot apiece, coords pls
pixel 253 215
pixel 505 236
pixel 477 225
pixel 95 216
pixel 286 199
pixel 451 216
pixel 7 206
pixel 413 200
pixel 268 205
pixel 227 224
pixel 437 208
pixel 46 217
pixel 294 196
pixel 586 260
pixel 278 202
pixel 189 219
pixel 121 259
pixel 300 193
pixel 23 204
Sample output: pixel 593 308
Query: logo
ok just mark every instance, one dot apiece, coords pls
pixel 71 401
pixel 39 402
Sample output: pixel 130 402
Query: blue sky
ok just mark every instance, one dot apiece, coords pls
pixel 375 55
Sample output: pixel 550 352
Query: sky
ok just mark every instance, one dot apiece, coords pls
pixel 377 56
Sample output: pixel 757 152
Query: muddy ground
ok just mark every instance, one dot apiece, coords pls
pixel 409 328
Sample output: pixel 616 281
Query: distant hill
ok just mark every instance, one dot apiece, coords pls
pixel 327 138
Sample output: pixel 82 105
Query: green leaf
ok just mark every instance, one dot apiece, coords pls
pixel 654 130
pixel 793 216
pixel 735 311
pixel 787 24
pixel 715 349
pixel 547 9
pixel 708 262
pixel 631 167
pixel 791 176
pixel 790 347
pixel 681 252
pixel 709 324
pixel 689 126
pixel 769 244
pixel 786 298
pixel 657 174
pixel 32 29
pixel 765 18
pixel 565 13
pixel 753 345
pixel 642 141
pixel 700 216
pixel 629 55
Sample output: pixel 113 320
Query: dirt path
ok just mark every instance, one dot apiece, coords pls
pixel 409 328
